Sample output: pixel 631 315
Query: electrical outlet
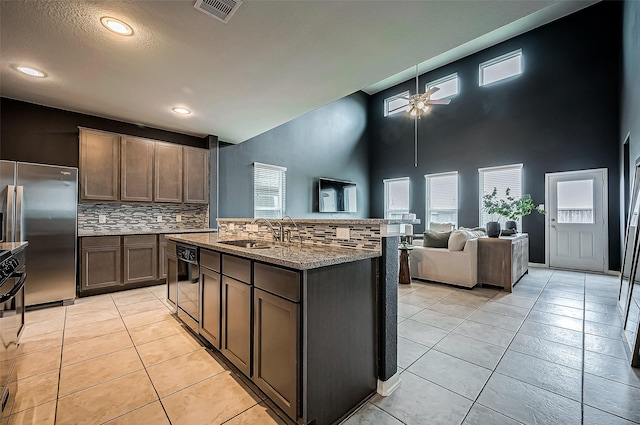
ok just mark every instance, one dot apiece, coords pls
pixel 256 227
pixel 102 219
pixel 232 226
pixel 343 233
pixel 159 219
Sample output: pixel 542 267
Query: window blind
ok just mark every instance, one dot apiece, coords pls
pixel 396 195
pixel 442 198
pixel 508 176
pixel 269 190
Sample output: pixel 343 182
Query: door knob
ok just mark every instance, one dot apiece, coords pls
pixel 553 226
pixel 553 219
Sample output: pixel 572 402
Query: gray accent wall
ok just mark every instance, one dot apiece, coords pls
pixel 328 142
pixel 561 114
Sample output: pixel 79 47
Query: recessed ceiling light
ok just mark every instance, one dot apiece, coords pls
pixel 180 110
pixel 31 71
pixel 115 25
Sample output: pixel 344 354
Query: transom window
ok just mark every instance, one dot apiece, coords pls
pixel 269 190
pixel 396 197
pixel 502 67
pixel 396 104
pixel 448 87
pixel 442 198
pixel 500 178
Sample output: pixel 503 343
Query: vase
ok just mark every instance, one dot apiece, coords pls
pixel 493 229
pixel 511 225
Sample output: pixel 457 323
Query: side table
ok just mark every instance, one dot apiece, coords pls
pixel 405 274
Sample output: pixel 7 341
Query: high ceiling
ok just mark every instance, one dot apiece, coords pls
pixel 272 62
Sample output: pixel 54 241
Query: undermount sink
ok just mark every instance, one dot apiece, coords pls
pixel 248 244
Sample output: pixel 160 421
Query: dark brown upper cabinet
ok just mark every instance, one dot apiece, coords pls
pixel 99 165
pixel 196 176
pixel 136 169
pixel 168 173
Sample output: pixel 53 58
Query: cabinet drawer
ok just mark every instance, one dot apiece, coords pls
pixel 140 240
pixel 278 281
pixel 210 259
pixel 100 241
pixel 237 268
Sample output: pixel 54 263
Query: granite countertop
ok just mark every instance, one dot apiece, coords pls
pixel 14 247
pixel 125 232
pixel 292 255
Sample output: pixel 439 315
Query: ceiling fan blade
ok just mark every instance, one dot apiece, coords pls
pixel 429 92
pixel 405 97
pixel 438 102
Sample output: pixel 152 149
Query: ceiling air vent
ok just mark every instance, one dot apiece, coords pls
pixel 219 9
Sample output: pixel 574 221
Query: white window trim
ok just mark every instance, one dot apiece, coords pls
pixel 259 165
pixel 388 100
pixel 481 172
pixel 386 192
pixel 499 59
pixel 439 81
pixel 427 203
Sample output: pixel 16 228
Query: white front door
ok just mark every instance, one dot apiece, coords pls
pixel 577 220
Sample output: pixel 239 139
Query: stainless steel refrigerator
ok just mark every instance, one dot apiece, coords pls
pixel 39 204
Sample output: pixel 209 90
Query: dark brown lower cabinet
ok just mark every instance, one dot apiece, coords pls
pixel 275 348
pixel 171 264
pixel 210 312
pixel 100 264
pixel 162 254
pixel 236 323
pixel 140 258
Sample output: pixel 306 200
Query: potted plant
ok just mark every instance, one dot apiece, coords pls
pixel 509 207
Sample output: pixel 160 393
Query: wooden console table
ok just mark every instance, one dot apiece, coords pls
pixel 503 261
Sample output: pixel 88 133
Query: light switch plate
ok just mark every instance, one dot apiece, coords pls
pixel 159 219
pixel 178 218
pixel 343 233
pixel 102 219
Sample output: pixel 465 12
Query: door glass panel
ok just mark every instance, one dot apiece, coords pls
pixel 575 201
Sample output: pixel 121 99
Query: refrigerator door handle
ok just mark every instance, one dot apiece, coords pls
pixel 8 218
pixel 19 199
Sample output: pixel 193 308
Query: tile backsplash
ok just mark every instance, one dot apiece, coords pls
pixel 141 217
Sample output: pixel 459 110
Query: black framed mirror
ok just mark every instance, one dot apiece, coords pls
pixel 629 294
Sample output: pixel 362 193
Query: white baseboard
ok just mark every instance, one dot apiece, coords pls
pixel 385 388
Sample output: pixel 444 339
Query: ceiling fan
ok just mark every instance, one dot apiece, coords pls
pixel 421 104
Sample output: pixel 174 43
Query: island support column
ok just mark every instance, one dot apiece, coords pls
pixel 388 376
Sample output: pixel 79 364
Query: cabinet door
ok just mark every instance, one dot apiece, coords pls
pixel 140 258
pixel 100 263
pixel 136 169
pixel 196 175
pixel 236 323
pixel 172 280
pixel 99 165
pixel 275 348
pixel 168 173
pixel 210 312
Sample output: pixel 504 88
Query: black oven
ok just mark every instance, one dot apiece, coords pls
pixel 188 296
pixel 12 278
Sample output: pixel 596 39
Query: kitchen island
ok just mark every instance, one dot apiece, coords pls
pixel 299 320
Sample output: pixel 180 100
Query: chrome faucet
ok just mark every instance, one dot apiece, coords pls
pixel 289 232
pixel 276 236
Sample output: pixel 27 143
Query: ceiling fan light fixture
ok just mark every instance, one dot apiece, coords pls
pixel 32 72
pixel 116 26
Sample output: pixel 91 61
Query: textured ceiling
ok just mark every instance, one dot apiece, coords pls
pixel 272 62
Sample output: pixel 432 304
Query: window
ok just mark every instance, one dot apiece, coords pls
pixel 269 188
pixel 448 87
pixel 502 67
pixel 395 104
pixel 396 197
pixel 442 198
pixel 508 176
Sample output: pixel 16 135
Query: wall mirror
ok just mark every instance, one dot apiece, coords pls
pixel 629 295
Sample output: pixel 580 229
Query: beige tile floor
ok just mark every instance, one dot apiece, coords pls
pixel 122 359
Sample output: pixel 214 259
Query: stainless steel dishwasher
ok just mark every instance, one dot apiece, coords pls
pixel 188 296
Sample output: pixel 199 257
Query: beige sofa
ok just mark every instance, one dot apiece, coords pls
pixel 442 265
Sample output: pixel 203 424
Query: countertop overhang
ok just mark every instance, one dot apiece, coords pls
pixel 293 255
pixel 14 247
pixel 126 232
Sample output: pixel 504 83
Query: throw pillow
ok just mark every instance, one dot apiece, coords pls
pixel 441 227
pixel 436 239
pixel 458 239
